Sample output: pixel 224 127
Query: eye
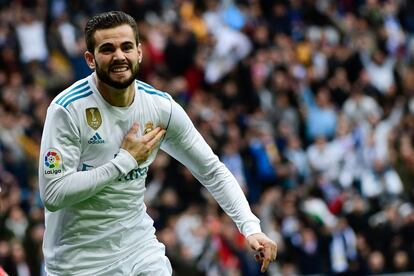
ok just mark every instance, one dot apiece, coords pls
pixel 106 50
pixel 127 47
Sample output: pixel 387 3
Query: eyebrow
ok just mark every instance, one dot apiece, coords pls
pixel 112 45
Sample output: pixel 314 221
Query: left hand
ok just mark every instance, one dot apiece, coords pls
pixel 266 248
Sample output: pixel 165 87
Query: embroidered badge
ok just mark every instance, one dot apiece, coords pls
pixel 148 127
pixel 93 117
pixel 52 163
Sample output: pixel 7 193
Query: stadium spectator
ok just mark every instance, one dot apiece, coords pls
pixel 268 84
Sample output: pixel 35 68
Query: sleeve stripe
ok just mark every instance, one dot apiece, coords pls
pixel 151 90
pixel 76 98
pixel 145 84
pixel 71 91
pixel 73 95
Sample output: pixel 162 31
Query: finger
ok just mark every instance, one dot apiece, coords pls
pixel 255 245
pixel 274 252
pixel 259 256
pixel 265 264
pixel 267 252
pixel 272 247
pixel 134 129
pixel 150 135
pixel 152 143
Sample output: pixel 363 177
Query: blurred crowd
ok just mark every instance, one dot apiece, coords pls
pixel 309 103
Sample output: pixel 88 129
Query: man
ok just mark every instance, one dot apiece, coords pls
pixel 100 136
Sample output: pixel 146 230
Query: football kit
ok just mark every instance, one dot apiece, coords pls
pixel 93 191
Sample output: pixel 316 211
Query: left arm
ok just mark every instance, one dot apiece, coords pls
pixel 184 143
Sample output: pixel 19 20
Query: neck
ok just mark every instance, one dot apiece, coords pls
pixel 116 97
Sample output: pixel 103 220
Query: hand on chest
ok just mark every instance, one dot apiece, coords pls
pixel 102 132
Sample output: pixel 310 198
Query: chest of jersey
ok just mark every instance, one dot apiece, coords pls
pixel 102 132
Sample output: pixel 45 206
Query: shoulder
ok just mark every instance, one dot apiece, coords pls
pixel 150 91
pixel 77 91
pixel 154 100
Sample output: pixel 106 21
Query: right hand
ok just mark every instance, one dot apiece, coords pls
pixel 265 247
pixel 141 147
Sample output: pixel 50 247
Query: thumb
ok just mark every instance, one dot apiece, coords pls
pixel 255 245
pixel 134 129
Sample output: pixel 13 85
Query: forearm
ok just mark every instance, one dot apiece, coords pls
pixel 78 186
pixel 229 195
pixel 206 167
pixel 185 143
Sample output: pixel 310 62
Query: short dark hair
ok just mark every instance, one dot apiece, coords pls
pixel 108 20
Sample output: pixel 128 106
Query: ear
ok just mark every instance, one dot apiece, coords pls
pixel 90 60
pixel 139 49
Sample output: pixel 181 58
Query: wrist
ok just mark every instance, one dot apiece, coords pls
pixel 251 228
pixel 124 161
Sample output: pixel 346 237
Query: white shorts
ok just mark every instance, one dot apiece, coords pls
pixel 148 260
pixel 154 262
pixel 129 251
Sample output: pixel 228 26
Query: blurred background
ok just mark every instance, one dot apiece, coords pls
pixel 310 104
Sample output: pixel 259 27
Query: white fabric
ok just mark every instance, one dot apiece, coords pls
pixel 358 108
pixel 32 40
pixel 68 35
pixel 373 185
pixel 325 159
pixel 94 198
pixel 339 263
pixel 381 75
pixel 231 46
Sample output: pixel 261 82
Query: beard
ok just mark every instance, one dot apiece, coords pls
pixel 105 77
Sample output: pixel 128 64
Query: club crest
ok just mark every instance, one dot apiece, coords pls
pixel 93 117
pixel 148 127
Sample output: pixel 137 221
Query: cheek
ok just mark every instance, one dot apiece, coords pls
pixel 133 58
pixel 101 62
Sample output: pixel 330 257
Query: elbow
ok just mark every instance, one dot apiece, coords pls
pixel 51 207
pixel 50 203
pixel 52 195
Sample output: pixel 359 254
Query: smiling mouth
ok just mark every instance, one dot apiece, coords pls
pixel 119 69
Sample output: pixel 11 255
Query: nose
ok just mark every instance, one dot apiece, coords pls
pixel 119 54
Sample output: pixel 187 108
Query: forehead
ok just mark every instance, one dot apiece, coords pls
pixel 116 35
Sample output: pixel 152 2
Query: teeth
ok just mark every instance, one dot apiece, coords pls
pixel 120 69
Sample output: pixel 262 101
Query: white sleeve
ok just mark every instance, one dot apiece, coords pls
pixel 60 183
pixel 184 143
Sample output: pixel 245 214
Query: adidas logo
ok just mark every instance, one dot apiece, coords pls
pixel 96 139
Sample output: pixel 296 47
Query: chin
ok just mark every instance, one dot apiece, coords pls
pixel 121 84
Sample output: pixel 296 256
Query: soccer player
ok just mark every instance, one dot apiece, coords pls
pixel 99 138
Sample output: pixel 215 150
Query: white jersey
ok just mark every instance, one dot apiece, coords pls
pixel 93 191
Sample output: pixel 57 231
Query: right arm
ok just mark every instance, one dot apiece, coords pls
pixel 61 184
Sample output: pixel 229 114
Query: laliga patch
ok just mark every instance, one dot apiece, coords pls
pixel 52 163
